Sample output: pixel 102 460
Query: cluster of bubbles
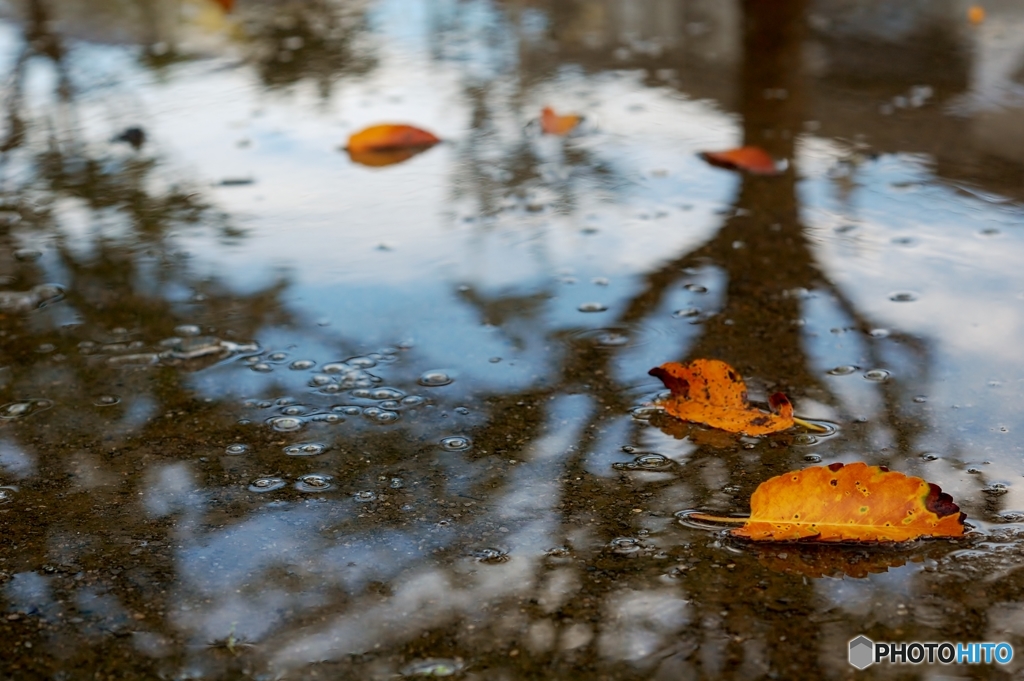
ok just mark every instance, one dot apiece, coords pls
pixel 15 302
pixel 305 449
pixel 23 408
pixel 311 482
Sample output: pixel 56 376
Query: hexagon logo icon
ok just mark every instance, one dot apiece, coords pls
pixel 862 652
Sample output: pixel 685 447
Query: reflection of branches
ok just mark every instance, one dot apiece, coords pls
pixel 295 41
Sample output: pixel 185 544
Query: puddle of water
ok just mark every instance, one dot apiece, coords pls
pixel 268 410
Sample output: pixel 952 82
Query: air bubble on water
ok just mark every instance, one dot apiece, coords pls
pixel 456 443
pixel 187 330
pixel 649 462
pixel 266 484
pixel 843 370
pixel 7 494
pixel 412 401
pixel 335 368
pixel 236 449
pixel 628 449
pixel 696 288
pixel 812 458
pixel 302 364
pixel 397 483
pixel 305 449
pixel 386 416
pixel 592 307
pixel 434 379
pixel 327 418
pixel 372 412
pixel 23 408
pixel 644 413
pixel 995 489
pixel 254 359
pixel 903 297
pixel 625 545
pixel 261 367
pixel 27 254
pixel 347 409
pixel 361 393
pixel 294 410
pixel 386 394
pixel 611 339
pixel 462 411
pixel 920 399
pixel 277 356
pixel 877 375
pixel 805 439
pixel 313 482
pixel 879 333
pixel 331 389
pixel 286 424
pixel 106 401
pixel 361 362
pixel 929 456
pixel 390 405
pixel 365 496
pixel 491 556
pixel 686 312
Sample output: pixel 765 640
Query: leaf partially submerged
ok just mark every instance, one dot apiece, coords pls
pixel 387 144
pixel 750 159
pixel 711 392
pixel 854 503
pixel 556 124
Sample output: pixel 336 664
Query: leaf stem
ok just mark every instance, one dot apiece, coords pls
pixel 716 518
pixel 810 426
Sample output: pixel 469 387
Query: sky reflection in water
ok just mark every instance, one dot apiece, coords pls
pixel 461 341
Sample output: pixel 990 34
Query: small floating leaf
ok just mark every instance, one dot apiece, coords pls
pixel 387 144
pixel 750 159
pixel 558 124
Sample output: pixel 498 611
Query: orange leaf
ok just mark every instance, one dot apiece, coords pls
pixel 751 159
pixel 389 137
pixel 854 503
pixel 710 391
pixel 976 14
pixel 226 5
pixel 555 124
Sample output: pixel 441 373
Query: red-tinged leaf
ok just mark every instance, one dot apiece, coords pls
pixel 749 159
pixel 711 392
pixel 226 5
pixel 555 124
pixel 852 503
pixel 390 137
